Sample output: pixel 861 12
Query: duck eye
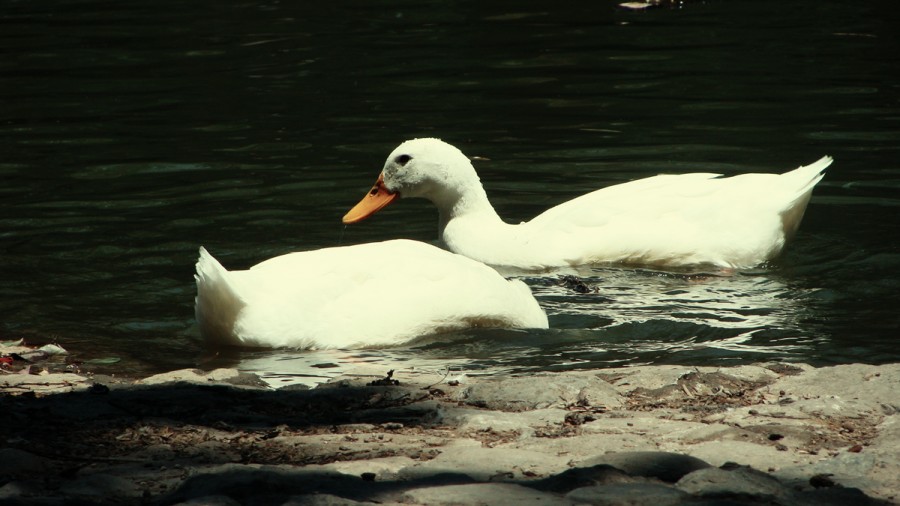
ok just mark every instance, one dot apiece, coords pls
pixel 402 160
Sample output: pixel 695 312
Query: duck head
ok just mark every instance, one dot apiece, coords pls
pixel 426 168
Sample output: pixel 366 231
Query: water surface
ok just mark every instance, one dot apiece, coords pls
pixel 133 133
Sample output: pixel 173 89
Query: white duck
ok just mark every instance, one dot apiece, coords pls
pixel 665 220
pixel 366 295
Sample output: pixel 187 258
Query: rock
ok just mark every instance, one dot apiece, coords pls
pixel 629 494
pixel 472 419
pixel 835 496
pixel 15 462
pixel 381 468
pixel 579 477
pixel 627 379
pixel 488 464
pixel 739 481
pixel 28 493
pixel 755 454
pixel 196 376
pixel 43 384
pixel 157 452
pixel 321 500
pixel 270 484
pixel 764 373
pixel 885 478
pixel 650 425
pixel 667 467
pixel 97 486
pixel 211 500
pixel 539 391
pixel 587 444
pixel 495 494
pixel 864 389
pixel 844 470
pixel 196 437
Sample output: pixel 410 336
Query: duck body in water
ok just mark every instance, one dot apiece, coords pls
pixel 368 295
pixel 664 221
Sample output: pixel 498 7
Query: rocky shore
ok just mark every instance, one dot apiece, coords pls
pixel 772 433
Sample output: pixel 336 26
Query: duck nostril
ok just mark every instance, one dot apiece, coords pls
pixel 373 191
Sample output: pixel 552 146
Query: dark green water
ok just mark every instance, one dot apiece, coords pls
pixel 132 133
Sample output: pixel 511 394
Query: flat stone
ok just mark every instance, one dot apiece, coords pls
pixel 539 391
pixel 43 383
pixel 321 500
pixel 495 494
pixel 100 485
pixel 210 500
pixel 759 456
pixel 861 388
pixel 15 462
pixel 697 433
pixel 885 476
pixel 757 373
pixel 489 464
pixel 382 468
pixel 628 379
pixel 737 482
pixel 269 484
pixel 587 445
pixel 579 477
pixel 628 494
pixel 196 376
pixel 665 466
pixel 846 469
pixel 480 420
pixel 30 492
pixel 650 425
pixel 826 406
pixel 833 496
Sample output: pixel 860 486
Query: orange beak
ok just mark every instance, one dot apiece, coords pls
pixel 378 197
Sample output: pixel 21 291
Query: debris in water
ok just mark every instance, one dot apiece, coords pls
pixel 387 381
pixel 576 284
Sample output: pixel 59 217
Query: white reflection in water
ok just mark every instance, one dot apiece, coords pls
pixel 725 311
pixel 737 301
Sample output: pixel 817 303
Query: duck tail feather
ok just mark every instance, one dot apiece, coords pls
pixel 806 177
pixel 217 303
pixel 803 180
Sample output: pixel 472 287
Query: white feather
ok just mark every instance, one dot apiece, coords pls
pixel 366 295
pixel 666 220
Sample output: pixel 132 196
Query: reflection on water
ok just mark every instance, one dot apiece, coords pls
pixel 740 301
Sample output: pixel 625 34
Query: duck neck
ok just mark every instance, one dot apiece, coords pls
pixel 468 201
